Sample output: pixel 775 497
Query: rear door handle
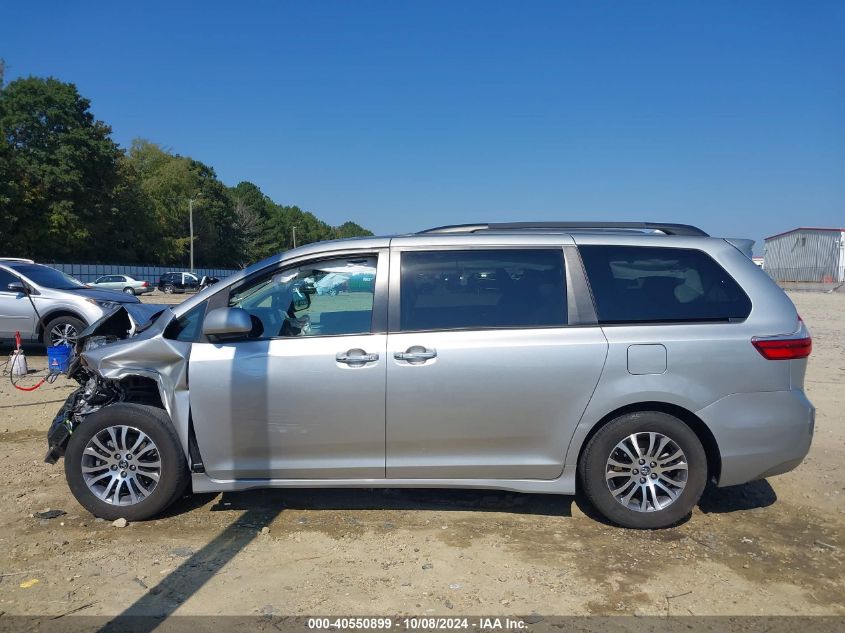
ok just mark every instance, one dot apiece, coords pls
pixel 356 357
pixel 415 354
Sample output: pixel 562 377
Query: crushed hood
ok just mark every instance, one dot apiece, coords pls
pixel 123 321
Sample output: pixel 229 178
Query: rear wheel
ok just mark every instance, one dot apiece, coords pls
pixel 125 461
pixel 644 470
pixel 168 289
pixel 129 290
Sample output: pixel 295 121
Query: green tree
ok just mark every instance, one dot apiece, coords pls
pixel 67 191
pixel 58 172
pixel 254 239
pixel 351 229
pixel 273 224
pixel 169 181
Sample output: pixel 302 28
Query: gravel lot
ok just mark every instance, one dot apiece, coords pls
pixel 771 547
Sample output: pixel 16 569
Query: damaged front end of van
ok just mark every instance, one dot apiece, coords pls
pixel 121 359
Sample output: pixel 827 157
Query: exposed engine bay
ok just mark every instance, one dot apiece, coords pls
pixel 93 394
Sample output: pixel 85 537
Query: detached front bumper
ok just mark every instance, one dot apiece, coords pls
pixel 760 434
pixel 60 429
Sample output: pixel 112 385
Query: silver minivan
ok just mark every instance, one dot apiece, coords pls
pixel 634 361
pixel 47 306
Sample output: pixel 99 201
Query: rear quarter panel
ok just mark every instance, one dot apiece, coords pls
pixel 705 362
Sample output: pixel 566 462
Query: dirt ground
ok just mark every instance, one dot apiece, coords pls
pixel 771 547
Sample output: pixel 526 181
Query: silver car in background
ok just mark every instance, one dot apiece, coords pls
pixel 65 305
pixel 123 283
pixel 634 361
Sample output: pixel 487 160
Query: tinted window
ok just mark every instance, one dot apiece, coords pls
pixel 448 290
pixel 323 298
pixel 633 284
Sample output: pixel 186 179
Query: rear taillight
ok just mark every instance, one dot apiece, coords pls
pixel 783 348
pixel 146 284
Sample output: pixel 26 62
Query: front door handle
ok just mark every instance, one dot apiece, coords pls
pixel 356 357
pixel 416 354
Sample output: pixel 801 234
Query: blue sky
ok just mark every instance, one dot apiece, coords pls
pixel 402 116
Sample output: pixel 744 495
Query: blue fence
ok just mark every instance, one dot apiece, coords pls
pixel 88 273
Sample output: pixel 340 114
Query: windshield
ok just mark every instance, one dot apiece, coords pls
pixel 47 277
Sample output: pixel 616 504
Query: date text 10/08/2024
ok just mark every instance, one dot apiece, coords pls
pixel 419 623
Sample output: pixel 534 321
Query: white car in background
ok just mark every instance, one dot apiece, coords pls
pixel 124 283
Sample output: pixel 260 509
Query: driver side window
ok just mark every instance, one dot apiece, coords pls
pixel 325 298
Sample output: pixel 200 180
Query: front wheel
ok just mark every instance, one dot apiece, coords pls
pixel 62 330
pixel 644 470
pixel 125 461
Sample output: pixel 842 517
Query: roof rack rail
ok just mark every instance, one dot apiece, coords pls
pixel 666 229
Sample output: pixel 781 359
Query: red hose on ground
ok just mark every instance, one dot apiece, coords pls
pixel 43 380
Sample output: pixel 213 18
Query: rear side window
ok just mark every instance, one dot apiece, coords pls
pixel 634 284
pixel 477 289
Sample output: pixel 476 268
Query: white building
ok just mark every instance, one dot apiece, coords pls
pixel 806 254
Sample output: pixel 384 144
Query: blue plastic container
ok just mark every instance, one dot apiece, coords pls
pixel 58 358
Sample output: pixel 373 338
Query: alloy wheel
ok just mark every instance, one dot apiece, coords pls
pixel 63 334
pixel 646 472
pixel 121 465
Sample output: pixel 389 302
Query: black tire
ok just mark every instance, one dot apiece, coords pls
pixel 156 424
pixel 61 323
pixel 168 289
pixel 129 290
pixel 593 468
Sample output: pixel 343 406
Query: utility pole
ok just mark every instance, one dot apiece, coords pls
pixel 191 224
pixel 191 221
pixel 294 237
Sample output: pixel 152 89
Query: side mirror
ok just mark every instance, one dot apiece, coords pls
pixel 301 300
pixel 18 286
pixel 227 323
